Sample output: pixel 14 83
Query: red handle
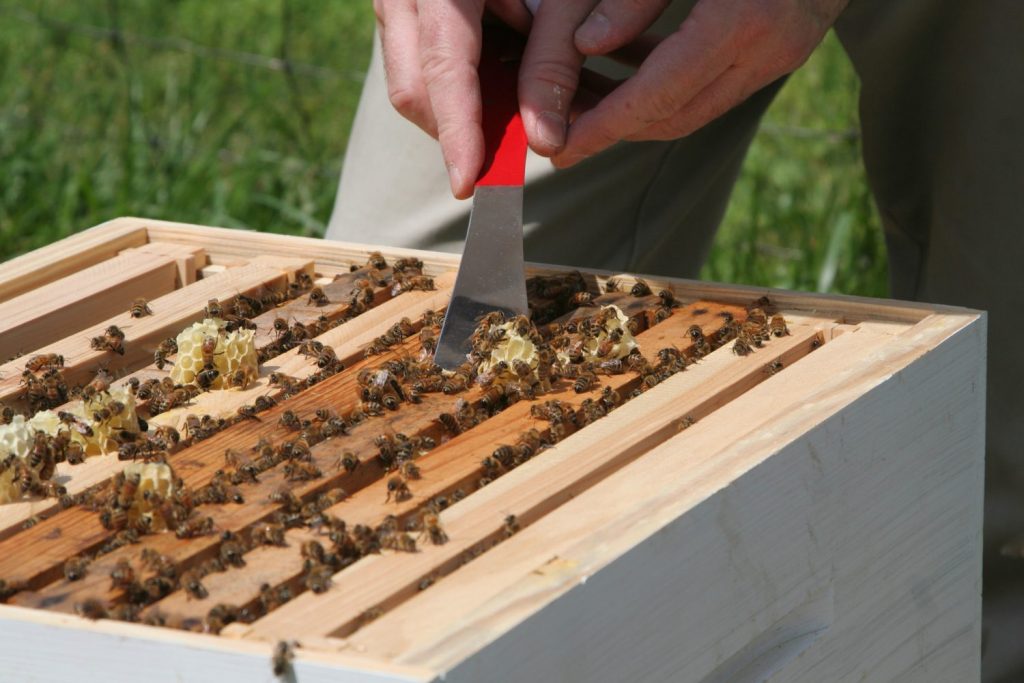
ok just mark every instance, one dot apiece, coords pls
pixel 504 137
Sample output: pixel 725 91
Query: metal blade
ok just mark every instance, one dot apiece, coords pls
pixel 491 275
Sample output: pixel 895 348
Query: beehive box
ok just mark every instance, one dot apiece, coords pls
pixel 809 511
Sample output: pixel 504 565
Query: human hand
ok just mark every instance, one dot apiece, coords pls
pixel 431 51
pixel 722 53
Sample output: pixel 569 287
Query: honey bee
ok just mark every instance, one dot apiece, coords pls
pixel 456 383
pixel 140 307
pixel 641 288
pixel 399 489
pixel 741 347
pixel 511 526
pixel 317 297
pixel 248 412
pixel 289 420
pixel 430 522
pixel 318 578
pixel 208 349
pixel 43 361
pixel 301 471
pixel 122 576
pixel 326 358
pixel 232 553
pixel 267 533
pixel 348 461
pixel 585 382
pixel 773 367
pixel 264 403
pixel 409 470
pixel 777 326
pixel 111 340
pixel 192 583
pixel 418 282
pixel 214 309
pixel 75 567
pixel 206 377
pixel 91 608
pixel 281 661
pixel 196 526
pixel 71 420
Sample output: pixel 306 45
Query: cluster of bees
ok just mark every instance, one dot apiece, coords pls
pixel 405 274
pixel 756 329
pixel 560 354
pixel 44 384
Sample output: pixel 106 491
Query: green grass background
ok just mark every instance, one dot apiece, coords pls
pixel 237 113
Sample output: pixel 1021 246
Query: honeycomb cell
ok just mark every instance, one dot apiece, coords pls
pixel 234 351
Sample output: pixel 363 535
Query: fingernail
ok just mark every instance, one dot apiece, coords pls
pixel 454 177
pixel 594 30
pixel 550 128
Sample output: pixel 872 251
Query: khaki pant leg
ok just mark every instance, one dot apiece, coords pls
pixel 644 207
pixel 941 111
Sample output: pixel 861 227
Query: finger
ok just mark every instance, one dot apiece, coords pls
pixel 449 38
pixel 399 36
pixel 679 68
pixel 549 73
pixel 616 23
pixel 728 91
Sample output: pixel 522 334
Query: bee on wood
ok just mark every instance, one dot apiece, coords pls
pixel 111 340
pixel 430 522
pixel 585 382
pixel 317 297
pixel 641 288
pixel 777 326
pixel 511 526
pixel 289 420
pixel 348 461
pixel 701 346
pixel 409 470
pixel 326 358
pixel 398 488
pixel 297 470
pixel 418 282
pixel 248 412
pixel 772 368
pixel 91 608
pixel 232 553
pixel 281 661
pixel 214 309
pixel 122 576
pixel 318 578
pixel 741 347
pixel 44 361
pixel 196 526
pixel 76 567
pixel 456 383
pixel 264 403
pixel 192 583
pixel 140 308
pixel 267 533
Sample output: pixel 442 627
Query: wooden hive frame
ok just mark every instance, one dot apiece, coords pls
pixel 731 524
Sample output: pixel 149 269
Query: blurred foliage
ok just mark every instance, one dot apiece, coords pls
pixel 237 114
pixel 801 215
